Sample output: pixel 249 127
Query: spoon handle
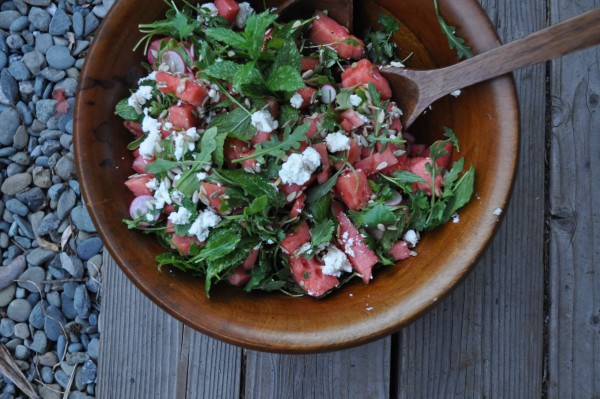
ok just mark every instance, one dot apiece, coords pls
pixel 573 34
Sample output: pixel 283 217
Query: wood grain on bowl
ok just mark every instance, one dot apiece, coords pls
pixel 484 117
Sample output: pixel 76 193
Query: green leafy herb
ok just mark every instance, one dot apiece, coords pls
pixel 322 233
pixel 238 123
pixel 252 184
pixel 379 45
pixel 126 111
pixel 225 70
pixel 319 191
pixel 278 148
pixel 373 216
pixel 455 42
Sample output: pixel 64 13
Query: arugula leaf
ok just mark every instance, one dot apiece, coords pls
pixel 319 191
pixel 277 148
pixel 252 184
pixel 189 180
pixel 322 233
pixel 219 153
pixel 224 70
pixel 373 216
pixel 285 78
pixel 449 133
pixel 238 123
pixel 221 242
pixel 461 194
pixel 455 42
pixel 126 111
pixel 161 165
pixel 134 145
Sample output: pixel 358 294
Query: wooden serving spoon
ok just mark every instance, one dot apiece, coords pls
pixel 415 90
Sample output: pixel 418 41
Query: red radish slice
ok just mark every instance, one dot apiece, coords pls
pixel 140 206
pixel 328 94
pixel 153 50
pixel 174 61
pixel 395 201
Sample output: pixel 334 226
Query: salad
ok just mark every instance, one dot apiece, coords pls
pixel 271 156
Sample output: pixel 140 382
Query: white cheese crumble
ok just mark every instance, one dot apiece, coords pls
pixel 455 93
pixel 182 216
pixel 411 237
pixel 152 143
pixel 497 211
pixel 355 100
pixel 201 176
pixel 242 16
pixel 152 184
pixel 205 220
pixel 140 97
pixel 151 76
pixel 337 142
pixel 298 167
pixel 455 218
pixel 296 101
pixel 184 142
pixel 162 195
pixel 212 9
pixel 263 121
pixel 397 64
pixel 336 262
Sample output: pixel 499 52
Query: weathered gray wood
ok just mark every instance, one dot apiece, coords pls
pixel 361 372
pixel 574 291
pixel 486 338
pixel 145 353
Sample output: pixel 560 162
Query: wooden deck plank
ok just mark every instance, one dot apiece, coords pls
pixel 361 372
pixel 145 353
pixel 486 338
pixel 574 248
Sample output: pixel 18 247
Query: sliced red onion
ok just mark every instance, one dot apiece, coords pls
pixel 174 61
pixel 140 206
pixel 395 201
pixel 328 94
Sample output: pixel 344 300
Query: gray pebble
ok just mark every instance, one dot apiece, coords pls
pixel 80 46
pixel 39 256
pixel 21 330
pixel 93 348
pixel 21 352
pixel 9 121
pixel 19 71
pixel 16 206
pixel 56 191
pixel 88 248
pixel 47 375
pixel 93 265
pixel 76 357
pixel 37 317
pixel 7 151
pixel 15 42
pixel 81 219
pixel 44 109
pixel 19 310
pixel 68 307
pixel 7 327
pixel 78 24
pixel 9 90
pixel 27 116
pixel 50 391
pixel 62 378
pixel 48 359
pixel 72 265
pixel 23 242
pixel 65 203
pixel 31 279
pixel 19 24
pixel 53 298
pixel 24 226
pixel 40 343
pixel 3 60
pixel 69 289
pixel 4 240
pixel 7 295
pixel 34 61
pixel 43 42
pixel 50 147
pixel 61 346
pixel 82 301
pixel 54 322
pixel 39 19
pixel 7 18
pixel 60 23
pixel 69 85
pixel 21 158
pixel 34 198
pixel 12 271
pixel 16 183
pixel 59 57
pixel 93 285
pixel 89 372
pixel 52 74
pixel 49 223
pixel 66 140
pixel 26 90
pixel 91 23
pixel 40 3
pixel 65 167
pixel 42 177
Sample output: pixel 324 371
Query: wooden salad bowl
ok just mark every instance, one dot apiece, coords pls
pixel 484 117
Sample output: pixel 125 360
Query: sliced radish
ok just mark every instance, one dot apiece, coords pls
pixel 328 94
pixel 153 50
pixel 394 201
pixel 174 61
pixel 140 207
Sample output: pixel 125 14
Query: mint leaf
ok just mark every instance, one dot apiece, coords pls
pixel 227 36
pixel 322 233
pixel 207 146
pixel 219 153
pixel 319 191
pixel 224 70
pixel 221 242
pixel 238 123
pixel 256 27
pixel 288 55
pixel 126 111
pixel 252 184
pixel 285 78
pixel 319 209
pixel 245 75
pixel 373 216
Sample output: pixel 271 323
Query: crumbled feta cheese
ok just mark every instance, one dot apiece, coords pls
pixel 397 64
pixel 151 76
pixel 337 142
pixel 396 112
pixel 205 220
pixel 263 121
pixel 182 216
pixel 411 237
pixel 355 100
pixel 296 101
pixel 201 176
pixel 162 195
pixel 497 211
pixel 298 167
pixel 336 262
pixel 140 97
pixel 455 93
pixel 364 118
pixel 152 184
pixel 455 218
pixel 152 143
pixel 212 9
pixel 242 16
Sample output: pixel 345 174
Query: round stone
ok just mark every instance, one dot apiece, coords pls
pixel 9 120
pixel 54 323
pixel 19 310
pixel 65 167
pixel 60 23
pixel 40 343
pixel 59 57
pixel 44 110
pixel 32 278
pixel 7 295
pixel 12 271
pixel 16 183
pixel 39 18
pixel 35 61
pixel 88 248
pixel 21 330
pixel 19 71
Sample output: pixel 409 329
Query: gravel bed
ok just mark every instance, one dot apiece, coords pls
pixel 51 264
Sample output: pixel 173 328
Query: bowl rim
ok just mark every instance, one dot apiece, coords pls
pixel 253 339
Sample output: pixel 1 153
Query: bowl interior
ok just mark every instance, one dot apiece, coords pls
pixel 484 118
